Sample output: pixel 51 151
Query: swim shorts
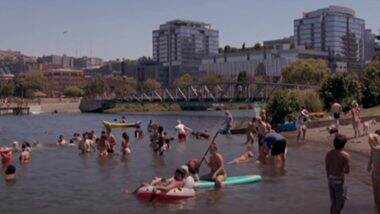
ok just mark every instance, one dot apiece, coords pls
pixel 338 192
pixel 278 147
pixel 336 115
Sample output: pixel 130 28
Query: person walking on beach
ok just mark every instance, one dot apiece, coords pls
pixel 216 164
pixel 374 165
pixel 336 110
pixel 355 117
pixel 301 124
pixel 337 165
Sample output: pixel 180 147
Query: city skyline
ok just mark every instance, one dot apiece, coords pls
pixel 123 29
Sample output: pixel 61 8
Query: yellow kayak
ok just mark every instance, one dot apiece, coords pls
pixel 111 125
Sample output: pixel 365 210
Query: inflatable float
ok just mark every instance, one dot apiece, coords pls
pixel 148 193
pixel 233 180
pixel 111 125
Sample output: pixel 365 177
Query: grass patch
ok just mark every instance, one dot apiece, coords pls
pixel 369 112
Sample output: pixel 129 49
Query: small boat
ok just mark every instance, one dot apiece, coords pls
pixel 286 127
pixel 149 193
pixel 233 180
pixel 235 131
pixel 111 125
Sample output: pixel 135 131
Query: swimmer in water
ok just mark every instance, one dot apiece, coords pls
pixel 25 155
pixel 125 144
pixel 244 158
pixel 103 145
pixel 61 141
pixel 6 156
pixel 139 134
pixel 111 140
pixel 10 173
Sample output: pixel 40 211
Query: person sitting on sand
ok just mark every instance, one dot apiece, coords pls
pixel 10 173
pixel 25 155
pixel 61 141
pixel 182 131
pixel 6 156
pixel 374 165
pixel 139 134
pixel 244 158
pixel 216 164
pixel 337 165
pixel 125 144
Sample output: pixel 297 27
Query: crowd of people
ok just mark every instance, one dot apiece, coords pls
pixel 271 145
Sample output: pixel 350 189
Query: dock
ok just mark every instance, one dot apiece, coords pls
pixel 14 110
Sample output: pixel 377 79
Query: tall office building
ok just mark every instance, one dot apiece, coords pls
pixel 181 44
pixel 336 30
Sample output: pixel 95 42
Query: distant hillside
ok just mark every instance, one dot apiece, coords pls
pixel 9 57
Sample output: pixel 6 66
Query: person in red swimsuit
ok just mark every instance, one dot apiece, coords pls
pixel 6 156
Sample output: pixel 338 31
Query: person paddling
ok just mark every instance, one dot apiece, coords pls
pixel 216 165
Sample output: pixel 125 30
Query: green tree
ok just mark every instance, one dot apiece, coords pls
pixel 73 91
pixel 96 86
pixel 341 87
pixel 6 89
pixel 26 85
pixel 283 106
pixel 257 46
pixel 371 84
pixel 150 84
pixel 306 71
pixel 183 80
pixel 242 77
pixel 124 86
pixel 209 79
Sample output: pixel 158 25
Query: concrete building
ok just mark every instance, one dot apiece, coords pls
pixel 257 63
pixel 149 69
pixel 369 45
pixel 59 61
pixel 180 45
pixel 87 62
pixel 284 43
pixel 59 79
pixel 336 30
pixel 5 75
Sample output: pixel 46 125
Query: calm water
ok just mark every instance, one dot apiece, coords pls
pixel 60 180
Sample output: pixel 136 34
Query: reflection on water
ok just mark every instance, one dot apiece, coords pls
pixel 58 178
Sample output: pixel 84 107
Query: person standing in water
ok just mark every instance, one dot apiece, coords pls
pixel 61 141
pixel 139 134
pixel 337 165
pixel 10 173
pixel 111 140
pixel 251 131
pixel 25 155
pixel 374 165
pixel 228 122
pixel 125 144
pixel 355 117
pixel 301 124
pixel 104 146
pixel 6 156
pixel 336 110
pixel 182 131
pixel 275 145
pixel 216 164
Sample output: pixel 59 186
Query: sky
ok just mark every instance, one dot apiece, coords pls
pixel 113 29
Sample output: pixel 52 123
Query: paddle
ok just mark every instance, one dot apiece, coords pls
pixel 208 149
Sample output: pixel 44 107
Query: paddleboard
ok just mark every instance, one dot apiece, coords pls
pixel 233 180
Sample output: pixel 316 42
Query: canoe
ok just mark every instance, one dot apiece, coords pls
pixel 148 193
pixel 233 180
pixel 108 124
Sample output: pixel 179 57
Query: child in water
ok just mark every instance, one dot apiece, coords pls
pixel 125 144
pixel 10 173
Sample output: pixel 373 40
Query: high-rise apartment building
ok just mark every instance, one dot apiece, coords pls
pixel 334 29
pixel 181 44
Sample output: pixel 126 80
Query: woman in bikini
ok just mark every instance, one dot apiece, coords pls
pixel 355 116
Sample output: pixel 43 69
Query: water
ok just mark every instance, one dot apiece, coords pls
pixel 60 180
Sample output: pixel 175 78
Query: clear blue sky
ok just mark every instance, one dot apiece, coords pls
pixel 123 28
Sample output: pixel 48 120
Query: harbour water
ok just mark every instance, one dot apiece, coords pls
pixel 59 180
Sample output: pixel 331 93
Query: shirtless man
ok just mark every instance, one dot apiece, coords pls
pixel 374 166
pixel 125 144
pixel 336 110
pixel 301 124
pixel 25 155
pixel 337 165
pixel 61 141
pixel 262 128
pixel 103 146
pixel 216 164
pixel 228 122
pixel 111 140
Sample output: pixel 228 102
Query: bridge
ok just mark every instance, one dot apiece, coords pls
pixel 194 94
